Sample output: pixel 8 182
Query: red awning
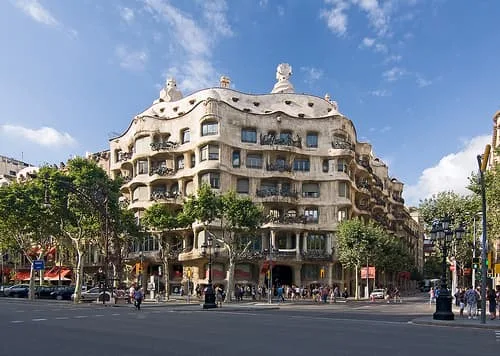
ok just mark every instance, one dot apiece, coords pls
pixel 54 272
pixel 6 270
pixel 21 276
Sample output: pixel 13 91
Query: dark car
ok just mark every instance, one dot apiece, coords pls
pixel 43 292
pixel 63 293
pixel 17 291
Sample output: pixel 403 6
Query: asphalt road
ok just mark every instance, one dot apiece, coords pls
pixel 58 328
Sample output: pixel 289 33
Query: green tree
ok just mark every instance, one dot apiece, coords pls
pixel 168 225
pixel 240 220
pixel 356 242
pixel 25 225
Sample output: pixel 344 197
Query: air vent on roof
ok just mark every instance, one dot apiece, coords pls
pixel 288 102
pixel 256 103
pixel 301 115
pixel 246 110
pixel 162 109
pixel 181 113
pixel 175 108
pixel 235 99
pixel 310 104
pixel 329 109
pixel 267 111
pixel 192 101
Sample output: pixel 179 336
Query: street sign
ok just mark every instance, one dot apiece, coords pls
pixel 38 265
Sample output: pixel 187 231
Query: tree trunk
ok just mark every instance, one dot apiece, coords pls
pixel 230 279
pixel 31 292
pixel 356 292
pixel 79 274
pixel 166 274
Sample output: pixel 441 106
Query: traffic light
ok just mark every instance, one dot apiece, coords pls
pixel 138 268
pixel 475 262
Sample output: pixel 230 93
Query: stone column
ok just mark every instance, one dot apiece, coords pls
pixel 289 241
pixel 265 240
pixel 329 241
pixel 297 245
pixel 330 274
pixel 296 275
pixel 273 239
pixel 304 246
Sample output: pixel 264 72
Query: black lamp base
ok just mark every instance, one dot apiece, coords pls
pixel 209 298
pixel 443 307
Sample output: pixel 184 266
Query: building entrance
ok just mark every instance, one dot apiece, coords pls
pixel 282 275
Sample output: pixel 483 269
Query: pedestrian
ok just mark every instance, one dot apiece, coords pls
pixel 432 296
pixel 345 295
pixel 138 297
pixel 461 301
pixel 131 292
pixel 492 300
pixel 219 296
pixel 471 298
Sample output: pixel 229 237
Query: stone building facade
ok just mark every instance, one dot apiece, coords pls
pixel 295 154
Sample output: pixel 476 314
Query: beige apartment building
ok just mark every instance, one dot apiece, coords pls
pixel 495 159
pixel 295 154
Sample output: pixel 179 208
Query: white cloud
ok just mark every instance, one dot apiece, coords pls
pixel 37 12
pixel 394 74
pixel 336 17
pixel 133 60
pixel 376 15
pixel 281 11
pixel 368 42
pixel 263 3
pixel 127 14
pixel 311 74
pixel 422 82
pixel 393 58
pixel 380 93
pixel 385 129
pixel 44 136
pixel 192 41
pixel 450 173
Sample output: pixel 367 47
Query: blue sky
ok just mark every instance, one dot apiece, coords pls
pixel 419 78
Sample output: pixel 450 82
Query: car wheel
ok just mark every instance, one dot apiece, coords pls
pixel 59 297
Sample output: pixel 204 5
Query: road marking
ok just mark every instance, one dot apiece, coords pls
pixel 224 312
pixel 98 315
pixel 62 318
pixel 40 319
pixel 80 316
pixel 17 321
pixel 348 320
pixel 497 335
pixel 115 314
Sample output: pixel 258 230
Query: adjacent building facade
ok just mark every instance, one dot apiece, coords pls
pixel 295 154
pixel 495 160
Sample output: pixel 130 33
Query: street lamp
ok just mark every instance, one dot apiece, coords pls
pixel 270 252
pixel 442 232
pixel 208 248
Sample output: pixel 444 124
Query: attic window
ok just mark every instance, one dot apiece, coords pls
pixel 267 111
pixel 192 101
pixel 329 109
pixel 256 103
pixel 288 102
pixel 310 104
pixel 246 110
pixel 175 108
pixel 301 115
pixel 161 100
pixel 162 109
pixel 235 99
pixel 181 112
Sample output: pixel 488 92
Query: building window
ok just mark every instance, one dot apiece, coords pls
pixel 301 164
pixel 186 135
pixel 193 160
pixel 242 186
pixel 142 167
pixel 180 162
pixel 210 152
pixel 316 242
pixel 312 139
pixel 213 179
pixel 342 165
pixel 344 190
pixel 236 159
pixel 249 135
pixel 310 190
pixel 209 128
pixel 254 161
pixel 325 165
pixel 341 214
pixel 285 135
pixel 311 215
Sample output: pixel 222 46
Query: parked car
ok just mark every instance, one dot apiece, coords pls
pixel 64 293
pixel 43 292
pixel 17 291
pixel 377 294
pixel 94 293
pixel 2 288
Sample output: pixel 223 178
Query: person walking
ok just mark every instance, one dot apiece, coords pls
pixel 432 296
pixel 218 296
pixel 491 296
pixel 471 298
pixel 131 293
pixel 138 297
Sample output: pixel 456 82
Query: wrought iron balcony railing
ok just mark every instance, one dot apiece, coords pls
pixel 162 171
pixel 271 140
pixel 342 145
pixel 164 145
pixel 124 156
pixel 316 255
pixel 274 192
pixel 279 166
pixel 162 195
pixel 290 219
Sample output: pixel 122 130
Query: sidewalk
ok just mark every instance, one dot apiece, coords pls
pixel 181 304
pixel 459 322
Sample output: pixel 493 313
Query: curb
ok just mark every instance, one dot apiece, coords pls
pixel 454 323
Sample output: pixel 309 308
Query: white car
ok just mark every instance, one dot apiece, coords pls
pixel 93 294
pixel 377 294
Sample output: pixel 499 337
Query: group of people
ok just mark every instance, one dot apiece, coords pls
pixel 470 300
pixel 136 296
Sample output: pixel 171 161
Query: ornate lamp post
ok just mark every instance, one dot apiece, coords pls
pixel 442 233
pixel 208 248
